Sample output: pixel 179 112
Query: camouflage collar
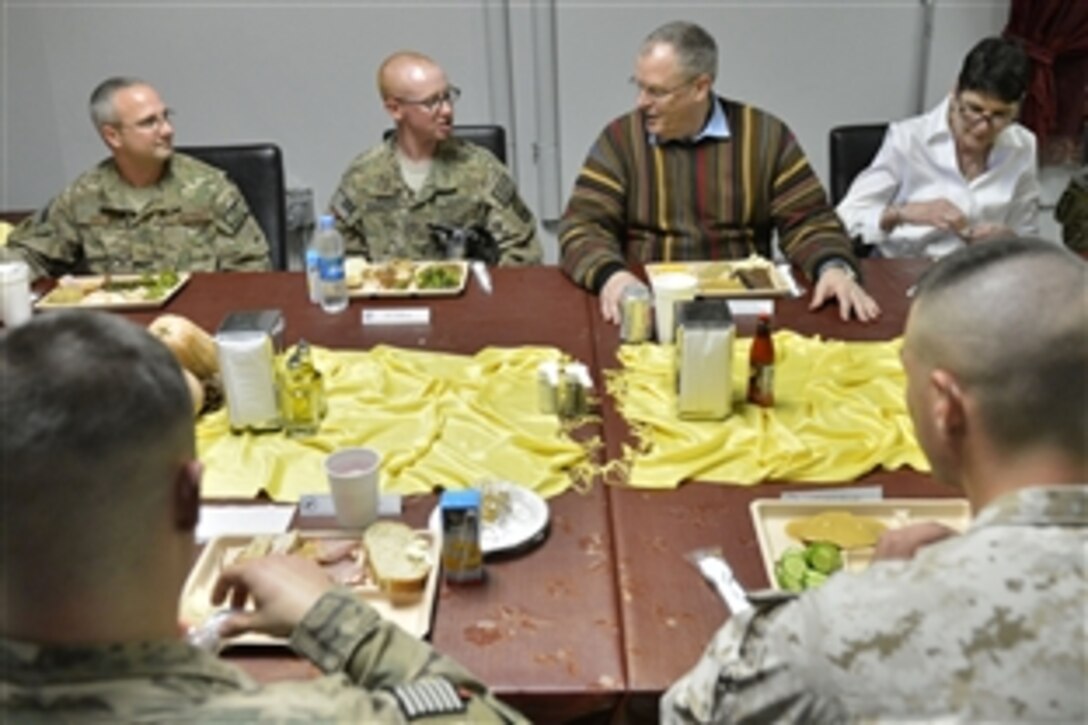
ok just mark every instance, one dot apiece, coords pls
pixel 117 195
pixel 29 665
pixel 1063 505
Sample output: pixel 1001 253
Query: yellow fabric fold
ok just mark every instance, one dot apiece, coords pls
pixel 437 419
pixel 839 412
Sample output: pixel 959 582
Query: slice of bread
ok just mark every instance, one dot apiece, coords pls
pixel 398 558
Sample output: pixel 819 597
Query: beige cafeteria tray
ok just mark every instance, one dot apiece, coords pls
pixel 196 606
pixel 770 517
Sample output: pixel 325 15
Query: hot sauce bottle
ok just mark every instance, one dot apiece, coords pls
pixel 761 365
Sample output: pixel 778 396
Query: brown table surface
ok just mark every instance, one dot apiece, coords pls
pixel 544 630
pixel 601 618
pixel 668 611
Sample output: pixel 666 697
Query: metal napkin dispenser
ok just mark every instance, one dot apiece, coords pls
pixel 704 359
pixel 247 343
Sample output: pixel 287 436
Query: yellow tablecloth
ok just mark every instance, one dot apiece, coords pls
pixel 839 412
pixel 438 419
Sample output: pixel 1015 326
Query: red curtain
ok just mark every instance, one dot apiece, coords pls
pixel 1055 35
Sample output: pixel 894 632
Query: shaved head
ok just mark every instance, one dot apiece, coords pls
pixel 401 73
pixel 1009 320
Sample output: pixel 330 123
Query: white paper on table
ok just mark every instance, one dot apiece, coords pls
pixel 753 307
pixel 221 520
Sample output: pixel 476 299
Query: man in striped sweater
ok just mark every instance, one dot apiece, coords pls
pixel 691 175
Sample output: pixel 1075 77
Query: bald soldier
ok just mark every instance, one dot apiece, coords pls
pixel 391 195
pixel 103 495
pixel 987 626
pixel 146 208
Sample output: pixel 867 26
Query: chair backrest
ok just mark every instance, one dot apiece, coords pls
pixel 257 171
pixel 492 138
pixel 852 149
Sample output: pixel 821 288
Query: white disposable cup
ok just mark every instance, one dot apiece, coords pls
pixel 353 475
pixel 15 307
pixel 669 289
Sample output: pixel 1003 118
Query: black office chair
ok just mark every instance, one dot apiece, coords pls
pixel 492 138
pixel 852 149
pixel 257 171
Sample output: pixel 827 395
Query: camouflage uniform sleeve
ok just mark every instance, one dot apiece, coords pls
pixel 509 221
pixel 743 677
pixel 48 241
pixel 241 244
pixel 342 634
pixel 345 208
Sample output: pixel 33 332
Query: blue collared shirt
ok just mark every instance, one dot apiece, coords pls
pixel 716 127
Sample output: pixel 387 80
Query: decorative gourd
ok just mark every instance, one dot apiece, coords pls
pixel 192 346
pixel 196 391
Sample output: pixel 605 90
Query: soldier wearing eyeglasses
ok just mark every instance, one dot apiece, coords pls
pixel 391 197
pixel 144 209
pixel 962 173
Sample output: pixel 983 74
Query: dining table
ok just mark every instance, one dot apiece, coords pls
pixel 595 622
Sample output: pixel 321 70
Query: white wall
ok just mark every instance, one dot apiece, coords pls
pixel 302 73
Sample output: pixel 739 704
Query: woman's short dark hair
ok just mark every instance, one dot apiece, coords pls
pixel 996 67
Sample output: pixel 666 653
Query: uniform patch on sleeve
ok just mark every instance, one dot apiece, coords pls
pixel 235 215
pixel 505 194
pixel 428 696
pixel 503 190
pixel 342 205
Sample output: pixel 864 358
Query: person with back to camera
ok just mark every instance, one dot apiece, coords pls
pixel 145 209
pixel 690 175
pixel 962 173
pixel 987 626
pixel 100 489
pixel 392 196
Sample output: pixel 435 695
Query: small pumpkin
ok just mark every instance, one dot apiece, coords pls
pixel 196 391
pixel 192 346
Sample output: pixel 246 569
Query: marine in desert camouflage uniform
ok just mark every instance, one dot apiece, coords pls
pixel 145 209
pixel 91 569
pixel 987 626
pixel 390 194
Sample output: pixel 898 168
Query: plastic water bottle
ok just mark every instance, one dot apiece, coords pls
pixel 332 287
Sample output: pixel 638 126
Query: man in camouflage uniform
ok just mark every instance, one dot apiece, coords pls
pixel 145 209
pixel 988 626
pixel 391 195
pixel 103 492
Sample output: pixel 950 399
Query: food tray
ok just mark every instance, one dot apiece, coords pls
pixel 770 517
pixel 196 606
pixel 95 298
pixel 729 278
pixel 401 278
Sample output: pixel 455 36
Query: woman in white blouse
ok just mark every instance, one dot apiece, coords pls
pixel 962 173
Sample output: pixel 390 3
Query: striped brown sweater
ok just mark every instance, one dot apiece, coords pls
pixel 634 202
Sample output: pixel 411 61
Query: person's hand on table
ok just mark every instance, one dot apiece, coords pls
pixel 836 283
pixel 283 589
pixel 613 291
pixel 904 543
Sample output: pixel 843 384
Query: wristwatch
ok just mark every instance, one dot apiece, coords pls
pixel 840 263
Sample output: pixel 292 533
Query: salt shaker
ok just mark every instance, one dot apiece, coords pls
pixel 14 293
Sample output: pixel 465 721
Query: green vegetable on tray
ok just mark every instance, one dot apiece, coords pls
pixel 800 569
pixel 439 276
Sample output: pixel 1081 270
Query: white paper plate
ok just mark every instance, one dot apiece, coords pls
pixel 527 517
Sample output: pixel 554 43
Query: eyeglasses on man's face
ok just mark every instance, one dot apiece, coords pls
pixel 435 102
pixel 659 93
pixel 973 114
pixel 149 124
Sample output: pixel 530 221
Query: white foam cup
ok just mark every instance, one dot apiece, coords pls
pixel 669 289
pixel 353 475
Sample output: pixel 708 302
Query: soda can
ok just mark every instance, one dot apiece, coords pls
pixel 635 314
